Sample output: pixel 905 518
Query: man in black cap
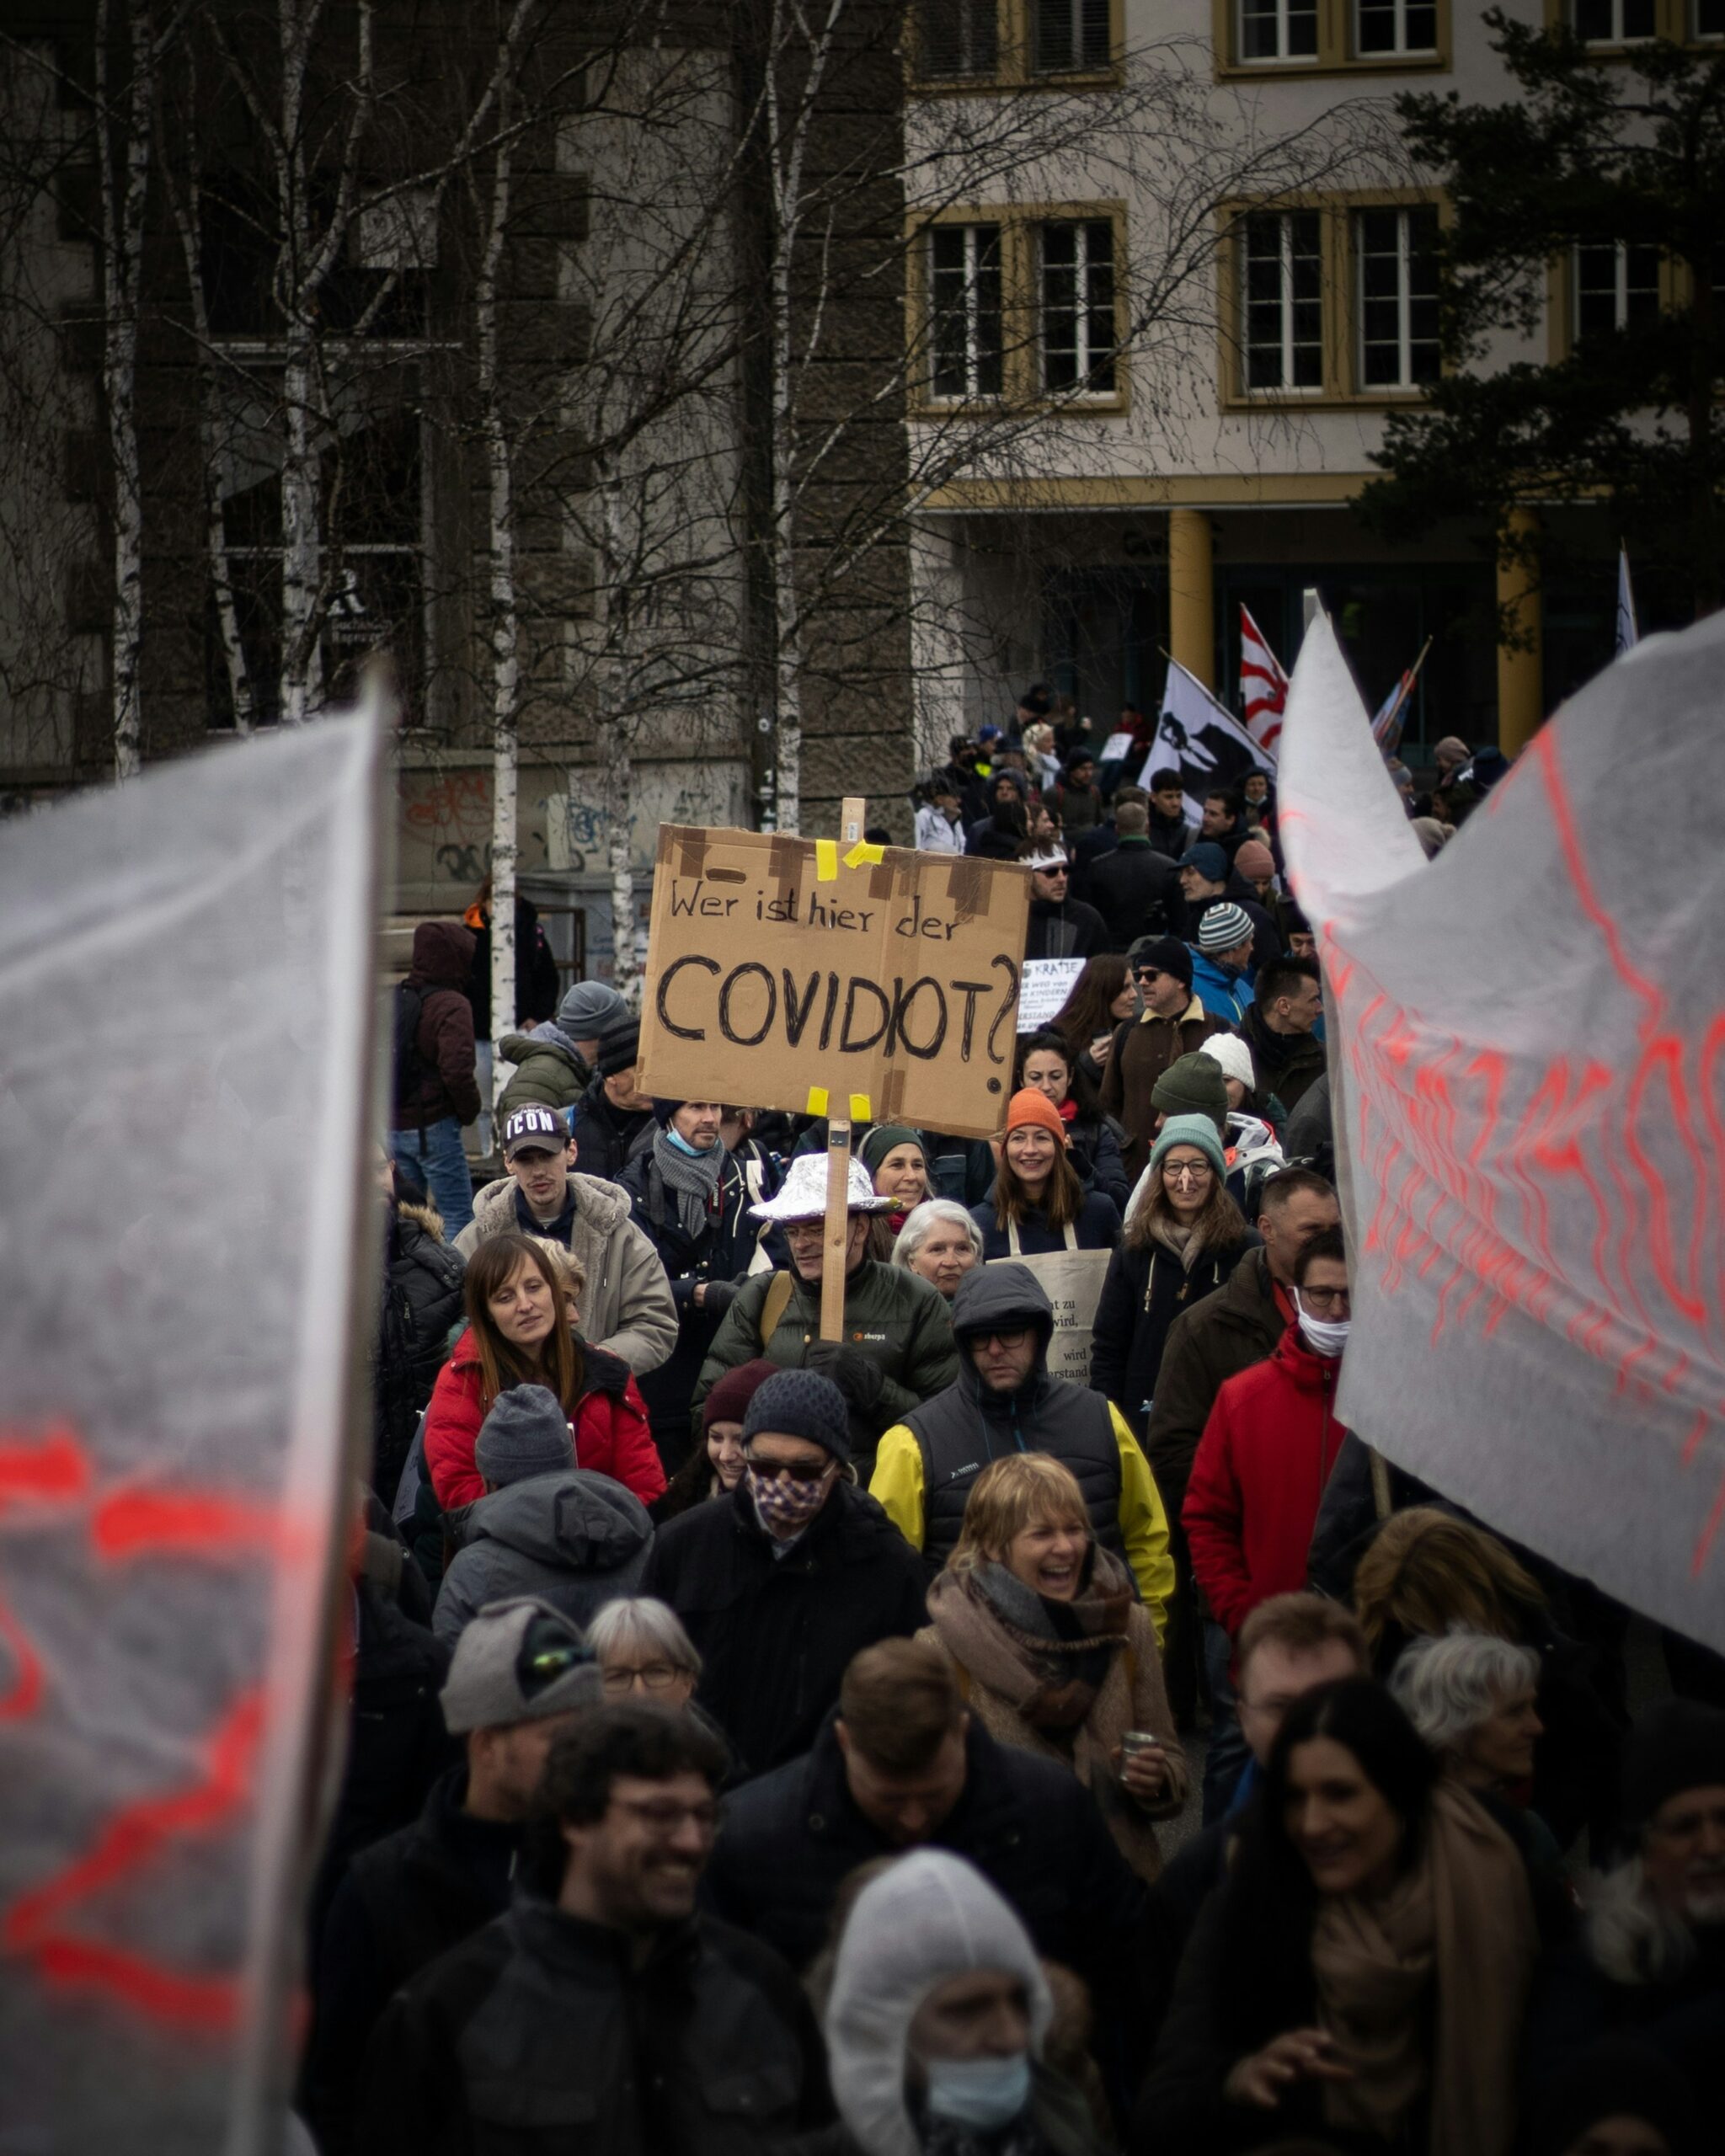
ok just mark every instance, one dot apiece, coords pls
pixel 783 1581
pixel 522 1674
pixel 1173 1023
pixel 1653 1963
pixel 626 1305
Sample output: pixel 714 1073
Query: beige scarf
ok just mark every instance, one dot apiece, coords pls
pixel 1459 1923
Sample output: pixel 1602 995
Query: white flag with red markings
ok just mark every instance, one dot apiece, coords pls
pixel 1527 1075
pixel 1263 683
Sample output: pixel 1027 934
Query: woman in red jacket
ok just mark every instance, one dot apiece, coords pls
pixel 520 1331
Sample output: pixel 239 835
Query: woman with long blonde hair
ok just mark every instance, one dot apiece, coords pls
pixel 522 1331
pixel 1054 1651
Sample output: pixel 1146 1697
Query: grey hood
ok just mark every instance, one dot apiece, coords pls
pixel 929 1917
pixel 575 1520
pixel 995 1293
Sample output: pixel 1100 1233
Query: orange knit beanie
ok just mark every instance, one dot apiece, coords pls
pixel 1028 1106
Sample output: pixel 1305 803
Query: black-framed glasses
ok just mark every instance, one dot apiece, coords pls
pixel 1015 1338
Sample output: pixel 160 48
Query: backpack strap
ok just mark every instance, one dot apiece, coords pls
pixel 774 1305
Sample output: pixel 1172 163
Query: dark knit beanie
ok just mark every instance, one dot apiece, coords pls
pixel 619 1045
pixel 881 1140
pixel 1167 953
pixel 802 1404
pixel 1192 1085
pixel 525 1433
pixel 1676 1745
pixel 729 1400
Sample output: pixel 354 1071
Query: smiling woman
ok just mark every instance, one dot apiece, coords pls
pixel 1054 1653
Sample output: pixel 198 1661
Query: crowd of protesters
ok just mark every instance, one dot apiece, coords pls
pixel 768 1741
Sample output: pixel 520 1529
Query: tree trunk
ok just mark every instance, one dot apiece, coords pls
pixel 124 174
pixel 505 637
pixel 611 736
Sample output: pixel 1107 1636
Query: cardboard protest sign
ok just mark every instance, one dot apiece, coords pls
pixel 1527 1068
pixel 879 983
pixel 188 1012
pixel 1047 984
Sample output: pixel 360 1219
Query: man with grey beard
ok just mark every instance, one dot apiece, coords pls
pixel 1653 1965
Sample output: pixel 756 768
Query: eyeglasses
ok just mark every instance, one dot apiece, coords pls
pixel 656 1676
pixel 1327 1299
pixel 1146 973
pixel 1016 1338
pixel 776 1470
pixel 1187 1171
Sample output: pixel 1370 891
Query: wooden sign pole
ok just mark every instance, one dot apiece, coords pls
pixel 838 1152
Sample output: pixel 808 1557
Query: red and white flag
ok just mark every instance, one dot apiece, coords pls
pixel 1263 683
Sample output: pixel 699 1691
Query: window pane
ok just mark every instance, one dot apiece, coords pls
pixel 1283 302
pixel 1302 28
pixel 1641 283
pixel 1099 304
pixel 1375 26
pixel 1710 17
pixel 1095 46
pixel 1638 18
pixel 1060 356
pixel 1071 34
pixel 1277 29
pixel 986 301
pixel 958 37
pixel 1420 27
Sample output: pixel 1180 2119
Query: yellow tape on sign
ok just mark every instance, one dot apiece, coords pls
pixel 862 853
pixel 826 861
pixel 860 1111
pixel 816 1102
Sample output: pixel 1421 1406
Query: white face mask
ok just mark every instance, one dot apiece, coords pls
pixel 1325 1336
pixel 982 2094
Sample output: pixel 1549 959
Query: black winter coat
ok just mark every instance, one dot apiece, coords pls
pixel 1064 928
pixel 776 1634
pixel 1145 1290
pixel 543 2034
pixel 717 1259
pixel 1097 1158
pixel 421 1303
pixel 606 1138
pixel 537 984
pixel 405 1900
pixel 1136 890
pixel 788 1841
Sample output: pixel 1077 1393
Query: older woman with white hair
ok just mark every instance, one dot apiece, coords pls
pixel 643 1651
pixel 937 2019
pixel 1470 1696
pixel 939 1242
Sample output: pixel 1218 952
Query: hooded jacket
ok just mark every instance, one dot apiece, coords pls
pixel 576 1539
pixel 550 1069
pixel 776 1632
pixel 927 1465
pixel 544 2033
pixel 1227 1333
pixel 444 1085
pixel 1258 1479
pixel 612 1433
pixel 932 1918
pixel 1225 995
pixel 625 1306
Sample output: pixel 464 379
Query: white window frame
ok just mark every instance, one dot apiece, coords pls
pixel 1083 306
pixel 1404 377
pixel 1620 311
pixel 972 392
pixel 1287 386
pixel 1401 49
pixel 1617 34
pixel 1281 57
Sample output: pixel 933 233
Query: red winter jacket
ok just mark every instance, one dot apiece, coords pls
pixel 613 1434
pixel 1259 1473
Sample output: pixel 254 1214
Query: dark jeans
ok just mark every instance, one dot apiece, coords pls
pixel 436 1155
pixel 1225 1761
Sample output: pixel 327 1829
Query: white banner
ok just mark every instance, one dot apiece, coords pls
pixel 1203 740
pixel 1043 988
pixel 1528 1074
pixel 186 1013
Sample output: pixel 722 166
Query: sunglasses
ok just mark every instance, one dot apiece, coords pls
pixel 774 1471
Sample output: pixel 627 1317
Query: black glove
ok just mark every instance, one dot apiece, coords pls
pixel 719 1296
pixel 858 1376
